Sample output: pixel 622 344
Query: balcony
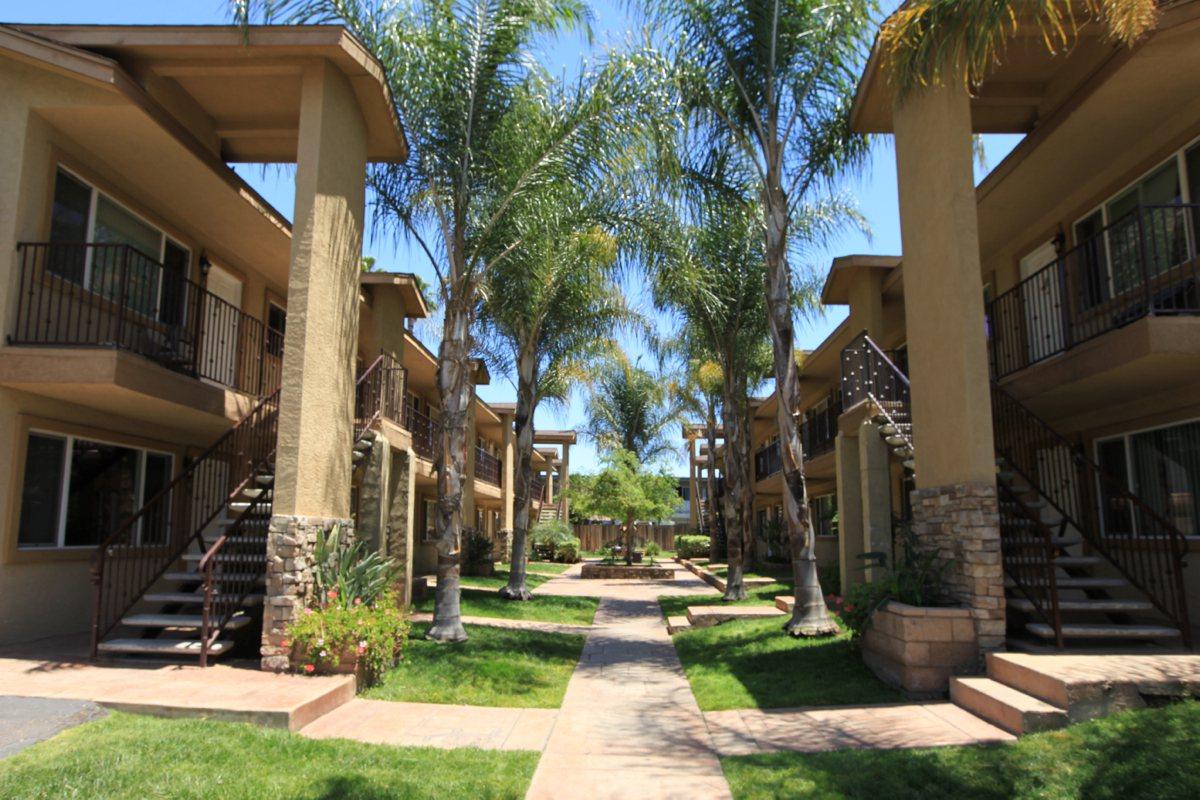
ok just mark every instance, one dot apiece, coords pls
pixel 819 430
pixel 767 461
pixel 423 429
pixel 116 297
pixel 487 467
pixel 1142 265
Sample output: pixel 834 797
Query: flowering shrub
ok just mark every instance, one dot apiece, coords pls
pixel 374 633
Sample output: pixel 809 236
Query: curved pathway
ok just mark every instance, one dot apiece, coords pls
pixel 629 726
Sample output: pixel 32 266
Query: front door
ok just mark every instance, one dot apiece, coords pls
pixel 1042 297
pixel 221 331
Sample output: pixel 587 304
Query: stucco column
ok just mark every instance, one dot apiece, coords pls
pixel 955 510
pixel 316 405
pixel 565 480
pixel 550 484
pixel 866 302
pixel 508 486
pixel 850 510
pixel 875 482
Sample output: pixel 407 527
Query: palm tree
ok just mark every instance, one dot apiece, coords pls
pixel 923 38
pixel 774 79
pixel 715 284
pixel 552 305
pixel 700 392
pixel 631 409
pixel 486 130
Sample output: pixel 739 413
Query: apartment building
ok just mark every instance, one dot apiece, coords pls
pixel 192 388
pixel 1022 385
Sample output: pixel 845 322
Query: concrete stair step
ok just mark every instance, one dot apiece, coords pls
pixel 678 623
pixel 196 577
pixel 1061 561
pixel 248 558
pixel 1037 541
pixel 1104 631
pixel 1005 707
pixel 239 506
pixel 1076 583
pixel 183 621
pixel 708 616
pixel 163 647
pixel 191 598
pixel 1099 606
pixel 265 480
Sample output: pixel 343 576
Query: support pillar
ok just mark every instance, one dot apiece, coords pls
pixel 311 493
pixel 954 505
pixel 565 482
pixel 875 481
pixel 402 519
pixel 850 511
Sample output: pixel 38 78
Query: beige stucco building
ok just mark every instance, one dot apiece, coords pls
pixel 1022 385
pixel 191 386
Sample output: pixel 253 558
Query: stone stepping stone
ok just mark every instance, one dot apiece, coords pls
pixel 708 616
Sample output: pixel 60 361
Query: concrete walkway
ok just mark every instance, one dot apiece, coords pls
pixel 25 721
pixel 629 726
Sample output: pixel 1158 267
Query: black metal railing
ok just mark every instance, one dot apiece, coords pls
pixel 231 570
pixel 819 429
pixel 379 393
pixel 1028 548
pixel 869 372
pixel 114 295
pixel 1144 263
pixel 424 430
pixel 537 489
pixel 487 466
pixel 768 460
pixel 1149 553
pixel 143 547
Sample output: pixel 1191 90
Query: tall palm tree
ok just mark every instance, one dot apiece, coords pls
pixel 923 38
pixel 632 409
pixel 774 79
pixel 486 130
pixel 552 306
pixel 715 284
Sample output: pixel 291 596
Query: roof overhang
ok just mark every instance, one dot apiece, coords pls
pixel 239 89
pixel 846 269
pixel 555 437
pixel 405 283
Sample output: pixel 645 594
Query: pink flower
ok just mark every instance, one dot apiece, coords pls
pixel 310 668
pixel 331 594
pixel 849 607
pixel 308 612
pixel 285 643
pixel 323 654
pixel 358 601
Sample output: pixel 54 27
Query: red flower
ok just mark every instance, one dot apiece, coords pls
pixel 331 594
pixel 849 607
pixel 310 668
pixel 285 643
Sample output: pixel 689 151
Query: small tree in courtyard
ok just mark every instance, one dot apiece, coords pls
pixel 625 490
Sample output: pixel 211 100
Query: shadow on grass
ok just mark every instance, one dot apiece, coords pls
pixel 495 666
pixel 1150 753
pixel 754 664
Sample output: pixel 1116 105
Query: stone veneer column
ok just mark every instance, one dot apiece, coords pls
pixel 402 517
pixel 954 505
pixel 850 508
pixel 373 494
pixel 311 493
pixel 875 480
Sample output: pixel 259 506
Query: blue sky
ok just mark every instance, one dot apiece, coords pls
pixel 875 189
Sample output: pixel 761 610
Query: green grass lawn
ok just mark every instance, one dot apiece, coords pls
pixel 757 596
pixel 494 667
pixel 544 567
pixel 128 756
pixel 754 664
pixel 1150 754
pixel 487 603
pixel 533 578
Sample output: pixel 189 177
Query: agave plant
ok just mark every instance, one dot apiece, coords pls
pixel 346 573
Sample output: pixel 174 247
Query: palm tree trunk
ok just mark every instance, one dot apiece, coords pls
pixel 629 523
pixel 454 387
pixel 714 541
pixel 737 489
pixel 810 617
pixel 516 589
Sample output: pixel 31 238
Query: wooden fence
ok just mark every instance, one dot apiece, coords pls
pixel 596 535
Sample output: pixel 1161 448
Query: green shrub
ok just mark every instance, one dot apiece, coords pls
pixel 692 546
pixel 347 572
pixel 478 548
pixel 567 552
pixel 322 636
pixel 546 537
pixel 651 550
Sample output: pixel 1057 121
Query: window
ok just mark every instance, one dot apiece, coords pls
pixel 1162 466
pixel 429 531
pixel 154 281
pixel 77 490
pixel 824 515
pixel 276 325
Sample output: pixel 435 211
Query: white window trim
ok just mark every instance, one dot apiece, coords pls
pixel 60 536
pixel 90 233
pixel 813 503
pixel 1129 475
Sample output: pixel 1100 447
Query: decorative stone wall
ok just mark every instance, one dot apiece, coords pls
pixel 291 543
pixel 398 534
pixel 373 495
pixel 917 649
pixel 961 523
pixel 621 571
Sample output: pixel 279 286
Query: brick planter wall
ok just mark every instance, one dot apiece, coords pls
pixel 917 649
pixel 590 571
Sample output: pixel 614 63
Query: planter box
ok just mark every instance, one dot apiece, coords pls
pixel 614 571
pixel 917 649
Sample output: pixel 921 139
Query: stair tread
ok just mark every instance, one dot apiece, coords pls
pixel 1079 583
pixel 1087 605
pixel 177 621
pixel 1105 631
pixel 187 597
pixel 195 577
pixel 163 647
pixel 1037 541
pixel 1006 694
pixel 251 557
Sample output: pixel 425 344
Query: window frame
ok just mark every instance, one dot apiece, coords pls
pixel 90 237
pixel 1125 438
pixel 70 438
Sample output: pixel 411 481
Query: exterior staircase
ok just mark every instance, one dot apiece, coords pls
pixel 1066 583
pixel 185 577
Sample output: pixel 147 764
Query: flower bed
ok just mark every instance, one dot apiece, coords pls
pixel 619 571
pixel 350 639
pixel 917 649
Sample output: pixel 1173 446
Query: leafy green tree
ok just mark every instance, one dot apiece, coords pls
pixel 552 305
pixel 625 490
pixel 714 282
pixel 774 80
pixel 486 129
pixel 632 409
